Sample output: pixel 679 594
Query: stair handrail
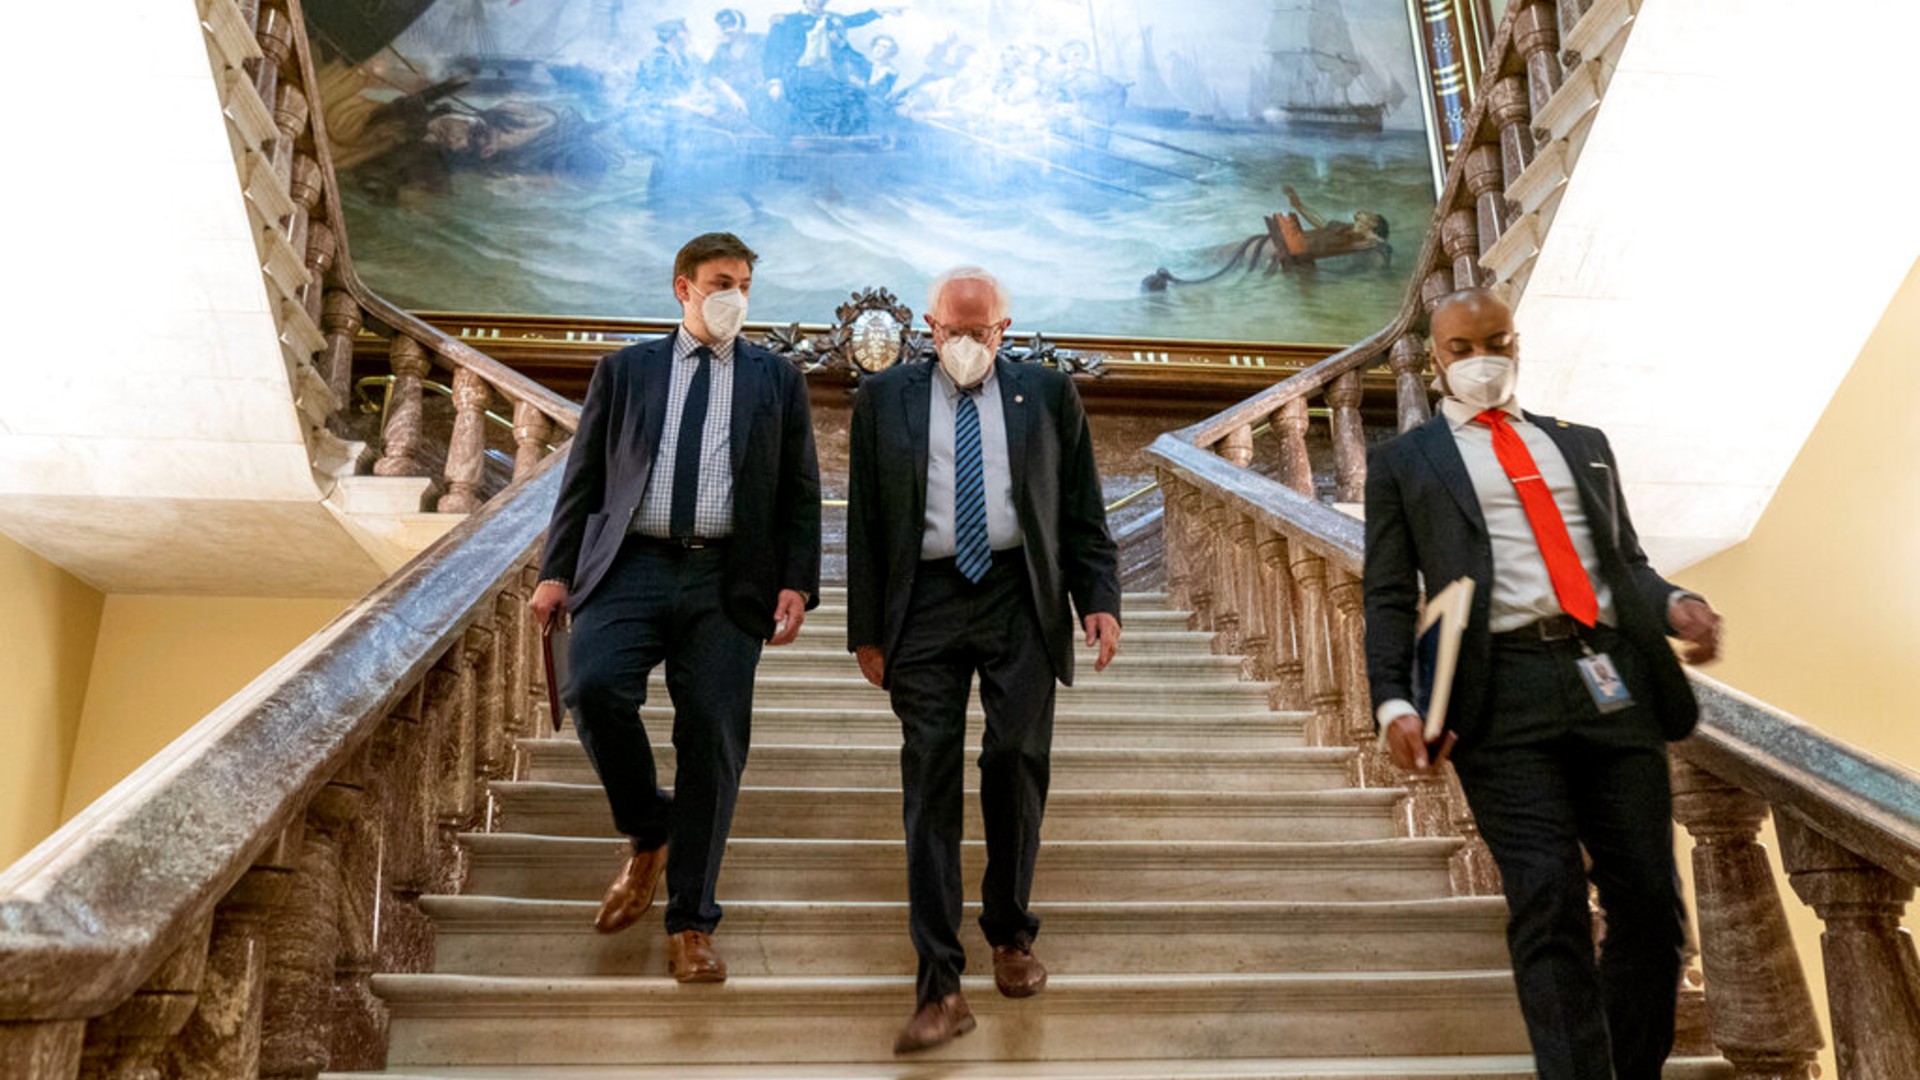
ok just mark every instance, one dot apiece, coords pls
pixel 1276 575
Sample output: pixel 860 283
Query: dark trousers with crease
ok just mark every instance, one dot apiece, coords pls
pixel 1554 775
pixel 660 604
pixel 955 629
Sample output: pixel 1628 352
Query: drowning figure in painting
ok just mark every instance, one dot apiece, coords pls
pixel 1295 246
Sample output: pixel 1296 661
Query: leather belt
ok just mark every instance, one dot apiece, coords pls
pixel 682 543
pixel 1553 628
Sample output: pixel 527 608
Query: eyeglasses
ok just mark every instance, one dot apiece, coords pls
pixel 982 334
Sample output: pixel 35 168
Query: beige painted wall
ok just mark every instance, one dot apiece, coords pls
pixel 163 662
pixel 1823 601
pixel 46 652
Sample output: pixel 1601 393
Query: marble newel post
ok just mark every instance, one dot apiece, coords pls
pixel 1762 1014
pixel 1873 975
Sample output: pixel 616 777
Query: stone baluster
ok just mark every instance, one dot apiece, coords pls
pixel 531 430
pixel 274 30
pixel 493 744
pixel 406 411
pixel 1220 566
pixel 1471 871
pixel 405 940
pixel 1174 540
pixel 467 451
pixel 1290 429
pixel 456 809
pixel 513 622
pixel 1568 17
pixel 1762 1014
pixel 358 1031
pixel 290 111
pixel 1349 438
pixel 1485 185
pixel 1244 555
pixel 340 321
pixel 49 1050
pixel 531 685
pixel 131 1041
pixel 1873 974
pixel 1237 447
pixel 1277 587
pixel 1536 36
pixel 222 1038
pixel 1349 639
pixel 322 247
pixel 1199 546
pixel 1409 361
pixel 1314 631
pixel 1460 235
pixel 304 188
pixel 305 943
pixel 1437 284
pixel 1512 116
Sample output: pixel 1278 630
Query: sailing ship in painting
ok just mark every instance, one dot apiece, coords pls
pixel 1317 78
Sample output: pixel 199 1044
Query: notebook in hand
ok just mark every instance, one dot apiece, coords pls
pixel 555 638
pixel 1442 623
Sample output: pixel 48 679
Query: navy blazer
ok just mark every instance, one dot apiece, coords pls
pixel 776 478
pixel 1070 556
pixel 1424 523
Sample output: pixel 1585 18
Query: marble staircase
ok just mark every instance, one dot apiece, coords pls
pixel 1218 901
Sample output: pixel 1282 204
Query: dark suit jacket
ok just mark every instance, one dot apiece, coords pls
pixel 776 478
pixel 1056 494
pixel 1424 522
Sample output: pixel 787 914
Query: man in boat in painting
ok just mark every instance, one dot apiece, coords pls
pixel 1304 246
pixel 816 74
pixel 669 69
pixel 738 62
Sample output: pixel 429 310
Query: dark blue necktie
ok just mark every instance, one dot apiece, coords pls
pixel 686 450
pixel 971 553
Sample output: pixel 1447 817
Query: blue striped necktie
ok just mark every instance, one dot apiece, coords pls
pixel 971 553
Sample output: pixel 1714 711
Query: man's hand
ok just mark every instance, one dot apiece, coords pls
pixel 548 597
pixel 872 664
pixel 1407 745
pixel 1104 629
pixel 1696 623
pixel 788 613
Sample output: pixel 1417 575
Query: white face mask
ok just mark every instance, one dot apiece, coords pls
pixel 965 360
pixel 1482 382
pixel 724 312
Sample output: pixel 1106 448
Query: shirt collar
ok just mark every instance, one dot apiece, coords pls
pixel 1460 414
pixel 946 386
pixel 684 344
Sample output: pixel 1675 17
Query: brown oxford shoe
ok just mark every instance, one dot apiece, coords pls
pixel 691 958
pixel 1017 972
pixel 934 1024
pixel 631 894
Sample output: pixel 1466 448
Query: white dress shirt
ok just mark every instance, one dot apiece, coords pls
pixel 713 504
pixel 1003 525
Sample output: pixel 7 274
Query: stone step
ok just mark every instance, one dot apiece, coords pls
pixel 808 659
pixel 1380 1067
pixel 1134 641
pixel 808 813
pixel 455 1019
pixel 1074 768
pixel 1130 619
pixel 835 596
pixel 874 724
pixel 579 868
pixel 479 935
pixel 1090 692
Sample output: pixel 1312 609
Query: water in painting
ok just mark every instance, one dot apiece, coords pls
pixel 1206 169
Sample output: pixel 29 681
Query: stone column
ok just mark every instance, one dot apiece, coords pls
pixel 290 112
pixel 1371 768
pixel 340 321
pixel 531 430
pixel 222 1038
pixel 400 442
pixel 1290 430
pixel 305 184
pixel 130 1042
pixel 467 452
pixel 1276 586
pixel 274 30
pixel 1536 36
pixel 306 943
pixel 1459 234
pixel 1314 632
pixel 1220 566
pixel 1349 438
pixel 1873 975
pixel 1762 1013
pixel 1513 116
pixel 1484 185
pixel 1409 362
pixel 321 249
pixel 1255 633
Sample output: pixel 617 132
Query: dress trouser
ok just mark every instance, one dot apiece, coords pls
pixel 660 603
pixel 1554 775
pixel 954 629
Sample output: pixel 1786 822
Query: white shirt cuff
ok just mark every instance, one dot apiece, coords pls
pixel 1674 598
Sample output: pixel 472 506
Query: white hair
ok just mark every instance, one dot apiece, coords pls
pixel 1001 302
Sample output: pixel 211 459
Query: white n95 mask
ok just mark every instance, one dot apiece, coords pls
pixel 724 312
pixel 965 360
pixel 1483 382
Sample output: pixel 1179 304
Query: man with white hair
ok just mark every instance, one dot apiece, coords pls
pixel 976 528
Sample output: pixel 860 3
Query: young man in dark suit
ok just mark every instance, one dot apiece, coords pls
pixel 687 532
pixel 1564 696
pixel 976 527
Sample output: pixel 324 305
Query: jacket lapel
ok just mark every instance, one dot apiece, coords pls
pixel 1596 492
pixel 1436 441
pixel 749 382
pixel 915 389
pixel 656 379
pixel 1015 412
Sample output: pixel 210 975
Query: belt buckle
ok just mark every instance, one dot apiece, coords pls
pixel 1556 628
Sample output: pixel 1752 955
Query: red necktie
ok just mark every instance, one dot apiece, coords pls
pixel 1570 584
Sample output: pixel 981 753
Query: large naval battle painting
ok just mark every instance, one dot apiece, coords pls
pixel 1198 169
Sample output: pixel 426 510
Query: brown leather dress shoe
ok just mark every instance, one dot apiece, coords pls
pixel 936 1023
pixel 1017 972
pixel 691 958
pixel 631 894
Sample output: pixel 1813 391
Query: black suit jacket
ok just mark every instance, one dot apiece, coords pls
pixel 1070 555
pixel 1424 522
pixel 776 478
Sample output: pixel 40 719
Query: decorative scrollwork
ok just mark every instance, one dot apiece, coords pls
pixel 875 332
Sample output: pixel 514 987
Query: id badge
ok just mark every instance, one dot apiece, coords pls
pixel 1603 681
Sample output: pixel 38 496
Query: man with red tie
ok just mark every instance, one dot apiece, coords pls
pixel 1564 695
